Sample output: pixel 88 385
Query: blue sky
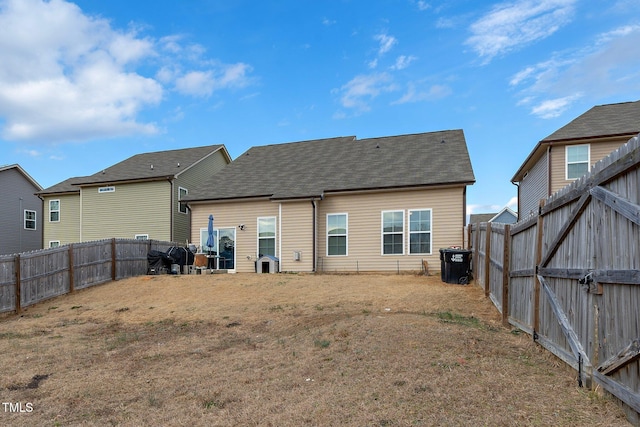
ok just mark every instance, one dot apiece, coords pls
pixel 86 84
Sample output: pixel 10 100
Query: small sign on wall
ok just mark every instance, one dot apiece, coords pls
pixel 110 189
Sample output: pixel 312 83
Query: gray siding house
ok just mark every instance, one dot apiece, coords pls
pixel 568 153
pixel 20 211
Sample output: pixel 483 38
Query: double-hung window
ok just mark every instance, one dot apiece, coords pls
pixel 54 210
pixel 393 232
pixel 337 233
pixel 577 160
pixel 29 220
pixel 267 236
pixel 420 231
pixel 182 192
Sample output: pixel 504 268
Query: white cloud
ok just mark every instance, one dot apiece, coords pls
pixel 414 94
pixel 328 22
pixel 511 25
pixel 67 76
pixel 204 83
pixel 357 93
pixel 423 5
pixel 31 152
pixel 554 107
pixel 608 67
pixel 445 23
pixel 403 62
pixel 386 42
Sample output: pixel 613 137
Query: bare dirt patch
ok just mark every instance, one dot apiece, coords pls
pixel 284 350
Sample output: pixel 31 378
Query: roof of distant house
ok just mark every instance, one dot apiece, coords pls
pixel 23 172
pixel 313 168
pixel 602 121
pixel 505 213
pixel 146 166
pixel 483 217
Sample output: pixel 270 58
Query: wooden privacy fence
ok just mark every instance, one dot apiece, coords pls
pixel 32 277
pixel 570 275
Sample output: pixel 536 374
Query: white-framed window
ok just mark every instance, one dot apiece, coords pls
pixel 182 192
pixel 337 234
pixel 578 160
pixel 29 220
pixel 54 210
pixel 141 237
pixel 267 236
pixel 420 231
pixel 392 232
pixel 54 244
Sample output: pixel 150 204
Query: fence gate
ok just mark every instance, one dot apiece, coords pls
pixel 588 276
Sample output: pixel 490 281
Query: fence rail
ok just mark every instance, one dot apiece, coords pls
pixel 32 277
pixel 570 275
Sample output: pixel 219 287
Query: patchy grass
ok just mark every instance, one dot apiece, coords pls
pixel 285 350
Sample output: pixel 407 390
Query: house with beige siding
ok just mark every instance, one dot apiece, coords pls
pixel 339 204
pixel 568 153
pixel 136 198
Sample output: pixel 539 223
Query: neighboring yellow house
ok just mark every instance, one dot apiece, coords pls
pixel 572 150
pixel 136 198
pixel 339 204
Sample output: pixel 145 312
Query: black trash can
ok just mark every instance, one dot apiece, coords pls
pixel 455 266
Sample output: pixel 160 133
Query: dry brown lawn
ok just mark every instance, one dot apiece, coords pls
pixel 283 350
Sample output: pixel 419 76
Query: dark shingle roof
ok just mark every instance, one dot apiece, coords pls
pixel 601 120
pixel 311 168
pixel 65 186
pixel 609 120
pixel 484 217
pixel 156 165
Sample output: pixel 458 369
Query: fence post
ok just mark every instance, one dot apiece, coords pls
pixel 476 248
pixel 487 262
pixel 506 269
pixel 113 259
pixel 72 283
pixel 536 281
pixel 18 286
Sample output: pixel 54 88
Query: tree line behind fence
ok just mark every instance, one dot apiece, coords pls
pixel 570 275
pixel 32 277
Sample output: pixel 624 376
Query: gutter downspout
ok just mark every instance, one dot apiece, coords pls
pixel 171 181
pixel 186 205
pixel 549 170
pixel 81 191
pixel 517 198
pixel 42 219
pixel 280 237
pixel 313 236
pixel 314 243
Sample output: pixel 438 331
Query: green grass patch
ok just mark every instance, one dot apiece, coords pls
pixel 458 319
pixel 12 335
pixel 322 343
